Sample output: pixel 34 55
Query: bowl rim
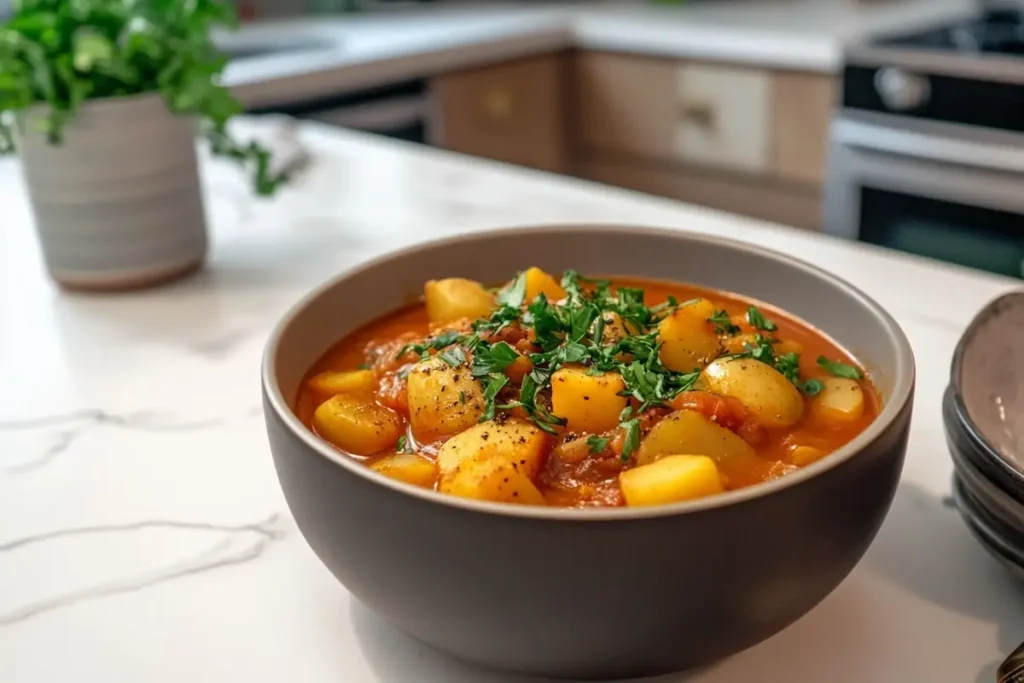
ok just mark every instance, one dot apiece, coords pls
pixel 971 428
pixel 899 397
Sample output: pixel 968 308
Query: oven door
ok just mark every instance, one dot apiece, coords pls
pixel 921 190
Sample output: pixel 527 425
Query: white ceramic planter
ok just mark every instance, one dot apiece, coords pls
pixel 118 203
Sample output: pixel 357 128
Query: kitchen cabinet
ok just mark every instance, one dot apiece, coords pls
pixel 739 138
pixel 802 107
pixel 512 112
pixel 758 197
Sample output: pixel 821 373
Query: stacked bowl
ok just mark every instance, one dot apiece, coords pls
pixel 983 412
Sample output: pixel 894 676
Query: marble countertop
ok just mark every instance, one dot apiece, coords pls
pixel 143 535
pixel 358 50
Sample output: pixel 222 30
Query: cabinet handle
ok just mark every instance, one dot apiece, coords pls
pixel 497 104
pixel 700 114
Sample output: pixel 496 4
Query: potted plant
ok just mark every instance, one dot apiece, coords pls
pixel 101 98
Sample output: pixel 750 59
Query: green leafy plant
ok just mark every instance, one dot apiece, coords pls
pixel 61 53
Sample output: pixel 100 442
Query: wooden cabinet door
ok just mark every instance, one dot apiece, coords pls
pixel 801 115
pixel 511 112
pixel 724 117
pixel 625 103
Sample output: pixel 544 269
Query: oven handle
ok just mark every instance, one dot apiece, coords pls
pixel 924 146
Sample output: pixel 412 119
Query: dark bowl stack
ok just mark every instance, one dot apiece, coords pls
pixel 983 412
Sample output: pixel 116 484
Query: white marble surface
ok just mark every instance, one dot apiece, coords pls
pixel 363 49
pixel 143 536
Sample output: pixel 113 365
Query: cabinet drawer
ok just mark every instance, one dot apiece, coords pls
pixel 706 114
pixel 511 112
pixel 724 117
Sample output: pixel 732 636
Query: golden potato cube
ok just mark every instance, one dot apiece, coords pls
pixel 492 479
pixel 537 282
pixel 443 400
pixel 408 467
pixel 687 431
pixel 802 456
pixel 615 328
pixel 589 403
pixel 688 340
pixel 357 424
pixel 672 479
pixel 766 393
pixel 521 444
pixel 456 298
pixel 840 402
pixel 356 381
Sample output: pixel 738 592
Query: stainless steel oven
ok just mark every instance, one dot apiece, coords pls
pixel 950 193
pixel 927 148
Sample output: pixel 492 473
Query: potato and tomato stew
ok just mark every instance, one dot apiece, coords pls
pixel 580 392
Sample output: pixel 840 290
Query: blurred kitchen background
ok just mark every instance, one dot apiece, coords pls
pixel 894 122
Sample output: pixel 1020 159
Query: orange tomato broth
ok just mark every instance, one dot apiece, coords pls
pixel 594 481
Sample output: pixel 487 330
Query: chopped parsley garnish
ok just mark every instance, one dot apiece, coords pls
pixel 811 387
pixel 454 356
pixel 492 358
pixel 758 321
pixel 723 323
pixel 632 438
pixel 839 369
pixel 575 331
pixel 403 445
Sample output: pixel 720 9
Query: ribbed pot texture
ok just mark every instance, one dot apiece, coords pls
pixel 117 204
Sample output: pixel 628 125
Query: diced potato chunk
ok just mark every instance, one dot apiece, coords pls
pixel 456 298
pixel 408 467
pixel 801 456
pixel 688 339
pixel 330 383
pixel 687 431
pixel 492 479
pixel 840 402
pixel 537 282
pixel 521 444
pixel 671 479
pixel 766 393
pixel 357 424
pixel 589 403
pixel 443 400
pixel 615 328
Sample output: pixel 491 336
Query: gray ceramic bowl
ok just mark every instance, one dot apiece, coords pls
pixel 591 593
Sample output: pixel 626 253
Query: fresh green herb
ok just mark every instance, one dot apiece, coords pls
pixel 632 438
pixel 445 339
pixel 454 356
pixel 758 321
pixel 403 445
pixel 418 349
pixel 462 398
pixel 493 358
pixel 839 369
pixel 495 383
pixel 541 416
pixel 723 323
pixel 364 366
pixel 61 54
pixel 789 365
pixel 514 295
pixel 597 444
pixel 811 387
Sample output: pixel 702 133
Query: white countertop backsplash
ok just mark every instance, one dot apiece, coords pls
pixel 143 535
pixel 374 47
